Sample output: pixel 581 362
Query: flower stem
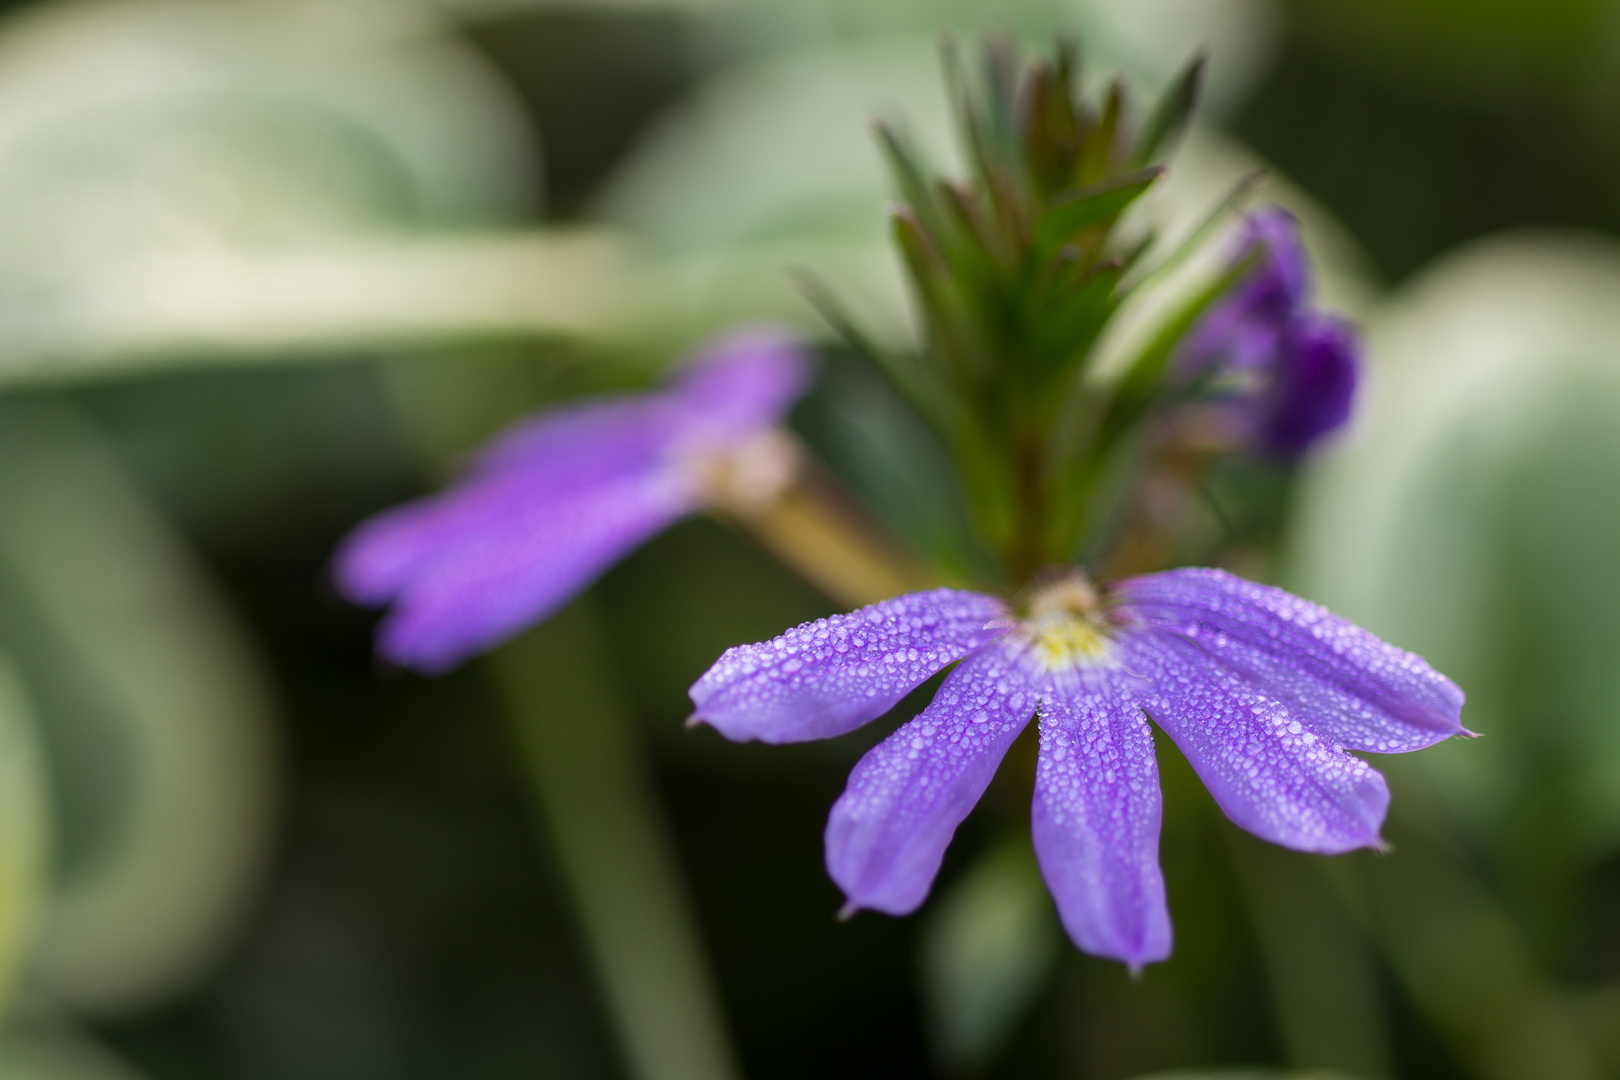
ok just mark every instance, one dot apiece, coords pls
pixel 595 798
pixel 814 526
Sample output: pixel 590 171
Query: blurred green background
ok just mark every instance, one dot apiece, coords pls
pixel 269 266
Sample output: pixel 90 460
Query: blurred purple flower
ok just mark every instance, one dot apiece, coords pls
pixel 1286 372
pixel 556 500
pixel 1263 692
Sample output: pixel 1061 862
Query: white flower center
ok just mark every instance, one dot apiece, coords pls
pixel 747 477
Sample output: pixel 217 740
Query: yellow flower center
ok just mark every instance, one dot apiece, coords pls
pixel 1066 643
pixel 1066 624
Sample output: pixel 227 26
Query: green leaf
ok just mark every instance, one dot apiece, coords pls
pixel 900 370
pixel 1065 321
pixel 987 949
pixel 1088 434
pixel 1141 384
pixel 156 711
pixel 25 826
pixel 1236 198
pixel 1090 207
pixel 36 1046
pixel 1101 152
pixel 1053 129
pixel 989 147
pixel 911 177
pixel 575 730
pixel 955 333
pixel 1171 115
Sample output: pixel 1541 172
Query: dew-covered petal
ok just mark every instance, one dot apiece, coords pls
pixel 1349 686
pixel 831 676
pixel 479 563
pixel 1096 818
pixel 888 832
pixel 742 383
pixel 1267 767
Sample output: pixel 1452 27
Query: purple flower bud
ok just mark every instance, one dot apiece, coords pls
pixel 1266 695
pixel 553 502
pixel 1285 372
pixel 1312 387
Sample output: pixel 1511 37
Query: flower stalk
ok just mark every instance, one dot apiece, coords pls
pixel 800 514
pixel 597 805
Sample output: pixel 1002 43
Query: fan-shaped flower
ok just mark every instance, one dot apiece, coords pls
pixel 1265 693
pixel 556 500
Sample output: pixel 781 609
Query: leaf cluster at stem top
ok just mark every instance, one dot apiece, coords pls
pixel 1017 270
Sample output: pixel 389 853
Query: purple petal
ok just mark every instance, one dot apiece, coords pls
pixel 833 675
pixel 479 563
pixel 888 832
pixel 375 560
pixel 1263 761
pixel 742 383
pixel 1358 691
pixel 1283 275
pixel 541 469
pixel 1313 385
pixel 1243 329
pixel 586 442
pixel 1096 818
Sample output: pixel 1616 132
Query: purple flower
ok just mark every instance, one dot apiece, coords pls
pixel 556 500
pixel 1264 693
pixel 1312 387
pixel 1286 372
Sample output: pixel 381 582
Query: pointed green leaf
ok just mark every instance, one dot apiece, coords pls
pixel 1172 113
pixel 908 173
pixel 1100 153
pixel 1051 132
pixel 1236 197
pixel 1001 94
pixel 1063 333
pixel 1090 207
pixel 901 372
pixel 953 333
pixel 1141 384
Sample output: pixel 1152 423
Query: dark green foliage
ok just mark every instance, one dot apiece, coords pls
pixel 1016 271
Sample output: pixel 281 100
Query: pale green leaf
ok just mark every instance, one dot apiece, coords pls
pixel 155 713
pixel 988 947
pixel 25 827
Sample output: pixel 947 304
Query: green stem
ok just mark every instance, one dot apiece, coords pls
pixel 595 797
pixel 1028 553
pixel 817 528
